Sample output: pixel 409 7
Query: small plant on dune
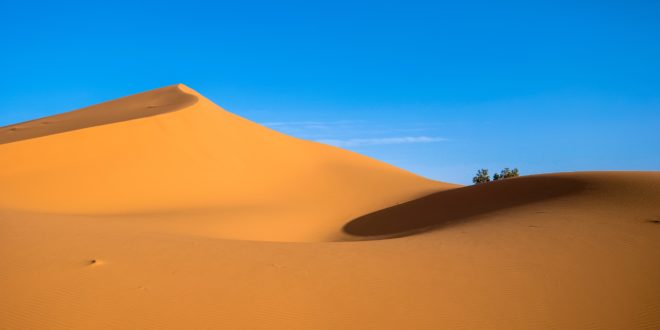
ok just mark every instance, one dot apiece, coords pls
pixel 505 174
pixel 481 177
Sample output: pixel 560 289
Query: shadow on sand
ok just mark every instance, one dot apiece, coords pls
pixel 454 206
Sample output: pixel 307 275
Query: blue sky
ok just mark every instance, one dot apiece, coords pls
pixel 440 89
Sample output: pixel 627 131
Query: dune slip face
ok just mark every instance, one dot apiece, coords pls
pixel 162 210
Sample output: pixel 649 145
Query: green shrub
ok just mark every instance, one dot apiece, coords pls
pixel 481 177
pixel 505 174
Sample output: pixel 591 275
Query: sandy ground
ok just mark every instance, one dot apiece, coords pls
pixel 163 211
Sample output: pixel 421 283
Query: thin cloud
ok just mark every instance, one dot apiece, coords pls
pixel 306 123
pixel 381 141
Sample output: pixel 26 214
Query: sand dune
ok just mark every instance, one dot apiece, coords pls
pixel 174 156
pixel 163 211
pixel 451 207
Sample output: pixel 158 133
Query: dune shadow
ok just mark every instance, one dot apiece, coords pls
pixel 451 207
pixel 151 103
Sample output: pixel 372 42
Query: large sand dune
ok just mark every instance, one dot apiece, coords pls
pixel 170 159
pixel 163 211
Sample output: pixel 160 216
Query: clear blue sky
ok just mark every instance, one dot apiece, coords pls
pixel 440 89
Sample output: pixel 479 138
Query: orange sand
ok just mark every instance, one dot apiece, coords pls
pixel 161 210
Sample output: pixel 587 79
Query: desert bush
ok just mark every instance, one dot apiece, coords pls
pixel 505 174
pixel 481 177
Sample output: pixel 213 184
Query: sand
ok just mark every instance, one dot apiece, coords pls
pixel 163 211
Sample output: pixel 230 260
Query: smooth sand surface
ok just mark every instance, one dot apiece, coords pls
pixel 167 212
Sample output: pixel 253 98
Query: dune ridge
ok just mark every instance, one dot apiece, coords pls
pixel 159 101
pixel 185 216
pixel 454 206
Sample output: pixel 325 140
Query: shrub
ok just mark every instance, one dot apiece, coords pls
pixel 505 174
pixel 481 177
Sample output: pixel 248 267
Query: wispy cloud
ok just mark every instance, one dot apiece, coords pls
pixel 381 141
pixel 306 123
pixel 342 133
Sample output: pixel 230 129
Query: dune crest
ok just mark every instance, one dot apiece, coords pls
pixel 153 103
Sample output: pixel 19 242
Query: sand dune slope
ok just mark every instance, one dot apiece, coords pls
pixel 174 156
pixel 629 194
pixel 165 219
